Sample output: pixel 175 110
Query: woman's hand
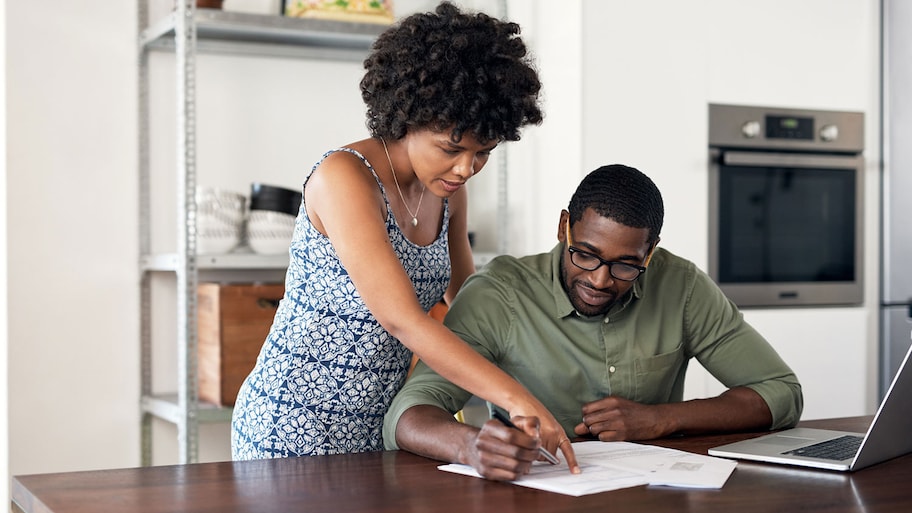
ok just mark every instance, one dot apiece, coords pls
pixel 538 422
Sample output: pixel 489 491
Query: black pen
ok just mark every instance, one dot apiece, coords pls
pixel 506 422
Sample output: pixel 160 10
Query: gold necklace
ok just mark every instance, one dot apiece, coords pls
pixel 396 180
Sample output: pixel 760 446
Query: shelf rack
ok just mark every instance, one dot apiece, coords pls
pixel 188 31
pixel 238 33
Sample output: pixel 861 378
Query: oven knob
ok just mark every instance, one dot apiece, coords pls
pixel 750 129
pixel 829 133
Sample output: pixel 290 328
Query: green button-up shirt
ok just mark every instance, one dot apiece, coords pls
pixel 516 313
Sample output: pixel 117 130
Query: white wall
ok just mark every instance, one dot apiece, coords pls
pixel 71 205
pixel 619 76
pixel 4 339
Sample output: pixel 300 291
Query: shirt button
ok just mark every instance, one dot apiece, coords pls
pixel 606 320
pixel 611 369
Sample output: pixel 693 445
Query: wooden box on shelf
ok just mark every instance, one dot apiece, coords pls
pixel 233 321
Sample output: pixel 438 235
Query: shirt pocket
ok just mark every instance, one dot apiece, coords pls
pixel 655 377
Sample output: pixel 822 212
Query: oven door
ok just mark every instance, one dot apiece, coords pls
pixel 786 228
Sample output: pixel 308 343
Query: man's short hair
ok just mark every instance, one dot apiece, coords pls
pixel 623 194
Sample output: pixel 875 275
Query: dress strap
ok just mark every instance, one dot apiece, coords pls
pixel 389 209
pixel 363 159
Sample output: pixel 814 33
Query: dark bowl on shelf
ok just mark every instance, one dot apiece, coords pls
pixel 276 199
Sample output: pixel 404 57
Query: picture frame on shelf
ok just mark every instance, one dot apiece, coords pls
pixel 359 11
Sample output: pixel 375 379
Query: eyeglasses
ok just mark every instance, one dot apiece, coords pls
pixel 589 262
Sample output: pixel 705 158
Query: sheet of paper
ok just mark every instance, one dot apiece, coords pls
pixel 662 466
pixel 613 465
pixel 558 479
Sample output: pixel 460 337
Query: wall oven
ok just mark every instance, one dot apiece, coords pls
pixel 786 205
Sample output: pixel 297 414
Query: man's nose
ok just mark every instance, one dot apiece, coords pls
pixel 601 278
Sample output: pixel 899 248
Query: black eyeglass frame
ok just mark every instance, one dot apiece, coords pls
pixel 611 264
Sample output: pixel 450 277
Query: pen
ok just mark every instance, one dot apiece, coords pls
pixel 506 422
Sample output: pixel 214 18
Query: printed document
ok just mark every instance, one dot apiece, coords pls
pixel 614 465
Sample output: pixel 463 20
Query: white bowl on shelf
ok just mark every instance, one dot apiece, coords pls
pixel 269 232
pixel 216 244
pixel 220 217
pixel 269 246
pixel 216 236
pixel 222 203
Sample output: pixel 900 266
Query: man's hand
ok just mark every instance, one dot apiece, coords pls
pixel 501 453
pixel 495 451
pixel 613 419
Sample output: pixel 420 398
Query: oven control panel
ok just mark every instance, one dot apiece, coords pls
pixel 740 126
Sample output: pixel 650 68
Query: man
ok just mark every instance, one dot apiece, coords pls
pixel 600 329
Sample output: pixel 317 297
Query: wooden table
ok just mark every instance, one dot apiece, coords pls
pixel 402 482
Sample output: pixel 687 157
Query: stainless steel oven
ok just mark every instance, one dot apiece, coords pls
pixel 786 205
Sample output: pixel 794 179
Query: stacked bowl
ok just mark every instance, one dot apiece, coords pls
pixel 270 223
pixel 220 219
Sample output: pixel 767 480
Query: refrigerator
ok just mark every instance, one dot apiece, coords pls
pixel 896 234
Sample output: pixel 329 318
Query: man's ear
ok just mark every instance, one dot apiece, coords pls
pixel 564 218
pixel 651 251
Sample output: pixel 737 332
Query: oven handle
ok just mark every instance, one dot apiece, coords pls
pixel 742 158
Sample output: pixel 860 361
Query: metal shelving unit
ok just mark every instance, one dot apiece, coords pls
pixel 186 32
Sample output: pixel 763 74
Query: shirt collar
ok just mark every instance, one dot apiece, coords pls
pixel 562 304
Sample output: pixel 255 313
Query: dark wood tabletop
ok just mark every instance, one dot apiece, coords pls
pixel 402 482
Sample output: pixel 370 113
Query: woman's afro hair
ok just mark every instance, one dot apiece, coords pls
pixel 451 70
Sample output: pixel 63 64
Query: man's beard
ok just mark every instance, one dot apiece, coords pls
pixel 579 305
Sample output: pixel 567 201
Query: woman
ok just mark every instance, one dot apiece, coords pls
pixel 381 237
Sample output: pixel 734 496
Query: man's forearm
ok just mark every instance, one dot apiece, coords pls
pixel 737 409
pixel 434 433
pixel 613 418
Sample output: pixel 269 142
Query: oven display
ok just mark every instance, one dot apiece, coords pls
pixel 789 127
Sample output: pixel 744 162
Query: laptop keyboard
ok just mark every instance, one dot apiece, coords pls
pixel 841 448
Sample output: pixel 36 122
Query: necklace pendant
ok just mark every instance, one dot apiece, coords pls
pixel 396 181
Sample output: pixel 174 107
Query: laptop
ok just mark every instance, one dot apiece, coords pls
pixel 887 436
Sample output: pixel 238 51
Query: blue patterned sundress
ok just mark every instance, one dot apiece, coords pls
pixel 328 371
